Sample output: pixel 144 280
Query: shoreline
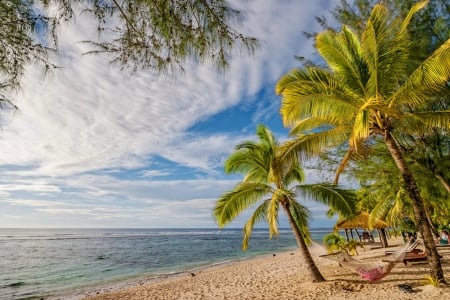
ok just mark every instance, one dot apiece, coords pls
pixel 140 280
pixel 282 275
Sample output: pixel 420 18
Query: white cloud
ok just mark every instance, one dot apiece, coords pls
pixel 84 125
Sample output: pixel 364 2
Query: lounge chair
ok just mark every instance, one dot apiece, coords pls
pixel 411 247
pixel 367 237
pixel 414 256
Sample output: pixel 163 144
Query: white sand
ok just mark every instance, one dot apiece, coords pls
pixel 284 276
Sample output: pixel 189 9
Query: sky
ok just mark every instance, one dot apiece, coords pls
pixel 94 146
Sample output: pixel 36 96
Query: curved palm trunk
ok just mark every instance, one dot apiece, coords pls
pixel 418 207
pixel 315 273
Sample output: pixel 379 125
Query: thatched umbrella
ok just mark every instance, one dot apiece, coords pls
pixel 361 220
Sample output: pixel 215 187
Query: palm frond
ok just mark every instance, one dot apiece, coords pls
pixel 379 211
pixel 413 11
pixel 342 165
pixel 309 145
pixel 341 200
pixel 258 216
pixel 315 93
pixel 272 213
pixel 267 139
pixel 361 128
pixel 430 78
pixel 423 122
pixel 301 215
pixel 244 160
pixel 294 175
pixel 232 203
pixel 396 214
pixel 342 52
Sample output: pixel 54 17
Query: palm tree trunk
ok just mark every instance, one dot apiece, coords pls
pixel 382 233
pixel 418 208
pixel 312 267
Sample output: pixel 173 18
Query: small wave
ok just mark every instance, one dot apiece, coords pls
pixel 15 284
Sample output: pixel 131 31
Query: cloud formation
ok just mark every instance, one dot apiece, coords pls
pixel 95 146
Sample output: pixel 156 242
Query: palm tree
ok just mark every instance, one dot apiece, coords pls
pixel 268 179
pixel 367 93
pixel 335 243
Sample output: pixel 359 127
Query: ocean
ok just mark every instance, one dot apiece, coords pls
pixel 44 263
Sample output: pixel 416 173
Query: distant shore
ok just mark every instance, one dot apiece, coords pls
pixel 282 276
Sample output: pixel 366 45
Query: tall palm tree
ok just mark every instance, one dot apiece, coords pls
pixel 365 93
pixel 269 179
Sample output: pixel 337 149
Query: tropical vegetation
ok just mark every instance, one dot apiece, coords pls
pixel 427 154
pixel 368 94
pixel 273 181
pixel 334 242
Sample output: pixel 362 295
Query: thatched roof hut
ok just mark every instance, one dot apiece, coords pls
pixel 361 221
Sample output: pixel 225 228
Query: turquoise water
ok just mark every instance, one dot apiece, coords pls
pixel 39 263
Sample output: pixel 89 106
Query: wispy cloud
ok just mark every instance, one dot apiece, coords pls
pixel 96 146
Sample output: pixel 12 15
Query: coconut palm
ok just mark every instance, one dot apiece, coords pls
pixel 268 183
pixel 366 93
pixel 335 243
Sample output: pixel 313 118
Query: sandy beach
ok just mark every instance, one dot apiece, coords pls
pixel 284 276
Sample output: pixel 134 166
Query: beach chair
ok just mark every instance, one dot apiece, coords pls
pixel 414 256
pixel 410 248
pixel 367 237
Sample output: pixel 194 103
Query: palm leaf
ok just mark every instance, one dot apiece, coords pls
pixel 258 216
pixel 341 200
pixel 301 215
pixel 430 78
pixel 234 202
pixel 342 52
pixel 272 213
pixel 424 122
pixel 314 93
pixel 295 174
pixel 310 145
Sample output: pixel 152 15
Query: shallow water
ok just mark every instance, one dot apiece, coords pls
pixel 38 263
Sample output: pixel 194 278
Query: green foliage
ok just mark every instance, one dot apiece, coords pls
pixel 368 93
pixel 363 94
pixel 161 34
pixel 429 151
pixel 430 27
pixel 335 243
pixel 154 35
pixel 26 36
pixel 272 180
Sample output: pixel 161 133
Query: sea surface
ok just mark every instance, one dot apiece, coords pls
pixel 43 263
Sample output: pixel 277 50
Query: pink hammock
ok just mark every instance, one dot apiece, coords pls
pixel 370 271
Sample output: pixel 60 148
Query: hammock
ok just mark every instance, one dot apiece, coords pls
pixel 370 271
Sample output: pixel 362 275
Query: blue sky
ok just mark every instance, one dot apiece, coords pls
pixel 94 146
